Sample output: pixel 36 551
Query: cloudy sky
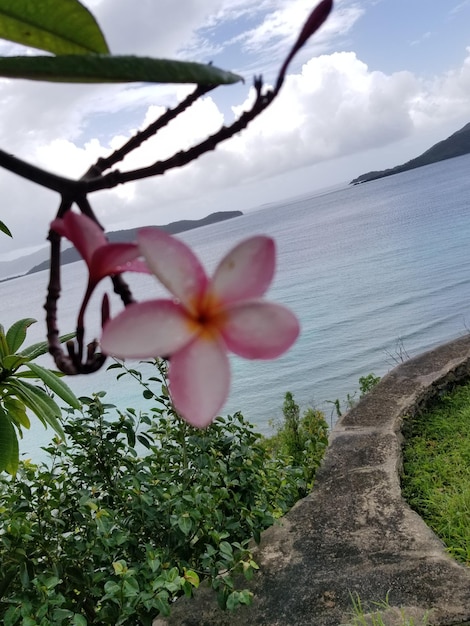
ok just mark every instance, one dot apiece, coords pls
pixel 381 82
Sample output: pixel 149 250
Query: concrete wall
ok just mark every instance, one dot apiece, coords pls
pixel 354 532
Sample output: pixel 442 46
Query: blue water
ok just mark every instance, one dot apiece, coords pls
pixel 371 271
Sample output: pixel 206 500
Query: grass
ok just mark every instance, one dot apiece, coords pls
pixel 436 478
pixel 436 484
pixel 362 616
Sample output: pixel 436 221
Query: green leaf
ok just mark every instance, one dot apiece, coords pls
pixel 161 604
pixel 16 334
pixel 120 567
pixel 113 69
pixel 112 588
pixel 51 582
pixel 42 347
pixel 233 601
pixel 113 366
pixel 226 548
pixel 185 523
pixel 131 588
pixel 245 597
pixel 9 450
pixel 4 229
pixel 13 361
pixel 192 578
pixel 55 384
pixel 16 411
pixel 64 27
pixel 38 401
pixel 3 343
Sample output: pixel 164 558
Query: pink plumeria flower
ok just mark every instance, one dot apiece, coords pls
pixel 205 319
pixel 102 258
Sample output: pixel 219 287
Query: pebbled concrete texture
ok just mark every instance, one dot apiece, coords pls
pixel 354 533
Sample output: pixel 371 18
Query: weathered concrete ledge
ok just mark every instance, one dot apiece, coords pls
pixel 354 533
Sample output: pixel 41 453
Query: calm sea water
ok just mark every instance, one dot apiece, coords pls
pixel 370 270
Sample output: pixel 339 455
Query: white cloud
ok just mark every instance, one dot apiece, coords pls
pixel 280 26
pixel 460 7
pixel 424 37
pixel 331 107
pixel 149 28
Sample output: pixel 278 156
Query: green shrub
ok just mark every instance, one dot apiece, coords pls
pixel 105 533
pixel 303 440
pixel 366 384
pixel 26 386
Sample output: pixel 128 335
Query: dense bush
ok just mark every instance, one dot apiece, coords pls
pixel 104 533
pixel 303 440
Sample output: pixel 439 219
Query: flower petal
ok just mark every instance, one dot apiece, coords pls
pixel 147 329
pixel 175 265
pixel 82 231
pixel 199 380
pixel 115 258
pixel 246 272
pixel 259 330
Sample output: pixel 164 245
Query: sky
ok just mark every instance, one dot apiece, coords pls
pixel 381 82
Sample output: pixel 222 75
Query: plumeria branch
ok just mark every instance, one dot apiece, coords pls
pixel 104 164
pixel 94 181
pixel 69 362
pixel 262 101
pixel 61 184
pixel 103 258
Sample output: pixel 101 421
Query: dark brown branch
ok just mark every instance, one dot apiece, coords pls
pixel 64 186
pixel 85 207
pixel 94 180
pixel 70 362
pixel 121 288
pixel 316 18
pixel 313 23
pixel 53 294
pixel 184 157
pixel 135 142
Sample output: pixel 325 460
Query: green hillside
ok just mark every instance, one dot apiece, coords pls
pixel 454 146
pixel 71 255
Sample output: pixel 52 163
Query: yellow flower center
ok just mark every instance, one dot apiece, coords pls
pixel 207 316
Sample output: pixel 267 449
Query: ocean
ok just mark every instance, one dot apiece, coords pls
pixel 375 273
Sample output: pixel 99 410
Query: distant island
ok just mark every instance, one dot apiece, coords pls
pixel 70 255
pixel 456 145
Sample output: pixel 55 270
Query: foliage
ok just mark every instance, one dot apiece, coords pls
pixel 302 439
pixel 112 69
pixel 18 394
pixel 104 534
pixel 366 384
pixel 436 480
pixel 78 53
pixel 67 29
pixel 64 27
pixel 366 616
pixel 4 229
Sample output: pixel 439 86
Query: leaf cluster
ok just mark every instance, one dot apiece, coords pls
pixel 303 439
pixel 135 511
pixel 366 384
pixel 79 52
pixel 20 392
